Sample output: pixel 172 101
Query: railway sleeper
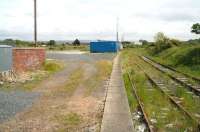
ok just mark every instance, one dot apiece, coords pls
pixel 181 80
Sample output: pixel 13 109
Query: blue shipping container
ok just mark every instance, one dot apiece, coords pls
pixel 5 58
pixel 104 46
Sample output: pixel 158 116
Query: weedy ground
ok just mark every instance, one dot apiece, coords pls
pixel 163 115
pixel 29 80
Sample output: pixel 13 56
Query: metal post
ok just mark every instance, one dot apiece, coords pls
pixel 35 23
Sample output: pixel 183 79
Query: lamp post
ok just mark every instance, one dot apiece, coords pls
pixel 35 23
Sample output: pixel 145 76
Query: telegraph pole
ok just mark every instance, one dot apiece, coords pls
pixel 117 29
pixel 35 23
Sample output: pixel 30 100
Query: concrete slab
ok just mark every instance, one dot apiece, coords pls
pixel 117 116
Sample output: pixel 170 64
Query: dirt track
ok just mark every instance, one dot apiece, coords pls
pixel 70 99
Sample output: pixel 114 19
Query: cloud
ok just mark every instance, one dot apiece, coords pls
pixel 171 15
pixel 96 19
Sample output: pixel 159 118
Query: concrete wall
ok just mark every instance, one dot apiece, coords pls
pixel 25 59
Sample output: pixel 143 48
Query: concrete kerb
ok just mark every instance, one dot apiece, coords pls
pixel 117 116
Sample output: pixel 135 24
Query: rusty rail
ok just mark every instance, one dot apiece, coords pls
pixel 180 107
pixel 141 107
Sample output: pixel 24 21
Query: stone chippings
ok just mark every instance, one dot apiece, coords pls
pixel 14 102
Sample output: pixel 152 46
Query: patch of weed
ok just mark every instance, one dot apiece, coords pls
pixel 75 79
pixel 129 91
pixel 104 69
pixel 52 66
pixel 68 121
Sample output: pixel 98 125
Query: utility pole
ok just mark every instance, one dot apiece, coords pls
pixel 122 39
pixel 35 23
pixel 117 29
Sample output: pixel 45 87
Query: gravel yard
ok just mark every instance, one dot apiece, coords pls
pixel 15 101
pixel 69 100
pixel 77 57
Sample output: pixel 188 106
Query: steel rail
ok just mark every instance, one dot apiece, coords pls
pixel 147 122
pixel 180 107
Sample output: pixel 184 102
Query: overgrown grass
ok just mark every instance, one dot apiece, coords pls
pixel 48 68
pixel 103 72
pixel 162 113
pixel 68 121
pixel 184 58
pixel 75 79
pixel 52 66
pixel 30 85
pixel 190 103
pixel 129 91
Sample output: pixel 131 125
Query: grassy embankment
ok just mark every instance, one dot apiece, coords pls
pixel 184 58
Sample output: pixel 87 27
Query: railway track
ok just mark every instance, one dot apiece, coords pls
pixel 141 107
pixel 185 80
pixel 176 101
pixel 172 69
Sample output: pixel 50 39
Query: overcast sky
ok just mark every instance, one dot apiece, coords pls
pixel 96 19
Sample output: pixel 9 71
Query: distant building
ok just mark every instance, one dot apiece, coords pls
pixel 138 43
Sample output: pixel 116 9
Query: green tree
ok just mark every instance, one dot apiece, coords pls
pixel 196 28
pixel 76 42
pixel 160 37
pixel 144 42
pixel 52 43
pixel 9 42
pixel 161 42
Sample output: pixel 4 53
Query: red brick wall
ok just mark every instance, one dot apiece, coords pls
pixel 25 59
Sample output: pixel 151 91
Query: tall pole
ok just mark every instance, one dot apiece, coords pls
pixel 117 29
pixel 35 23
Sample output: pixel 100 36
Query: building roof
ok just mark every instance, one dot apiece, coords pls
pixel 5 46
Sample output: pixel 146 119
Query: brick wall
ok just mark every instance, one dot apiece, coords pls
pixel 25 59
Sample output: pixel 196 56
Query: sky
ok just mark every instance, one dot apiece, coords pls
pixel 96 19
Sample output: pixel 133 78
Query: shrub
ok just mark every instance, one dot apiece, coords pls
pixel 162 43
pixel 191 57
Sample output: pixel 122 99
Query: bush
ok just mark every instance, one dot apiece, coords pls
pixel 191 57
pixel 162 43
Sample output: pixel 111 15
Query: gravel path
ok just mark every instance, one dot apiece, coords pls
pixel 83 57
pixel 15 101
